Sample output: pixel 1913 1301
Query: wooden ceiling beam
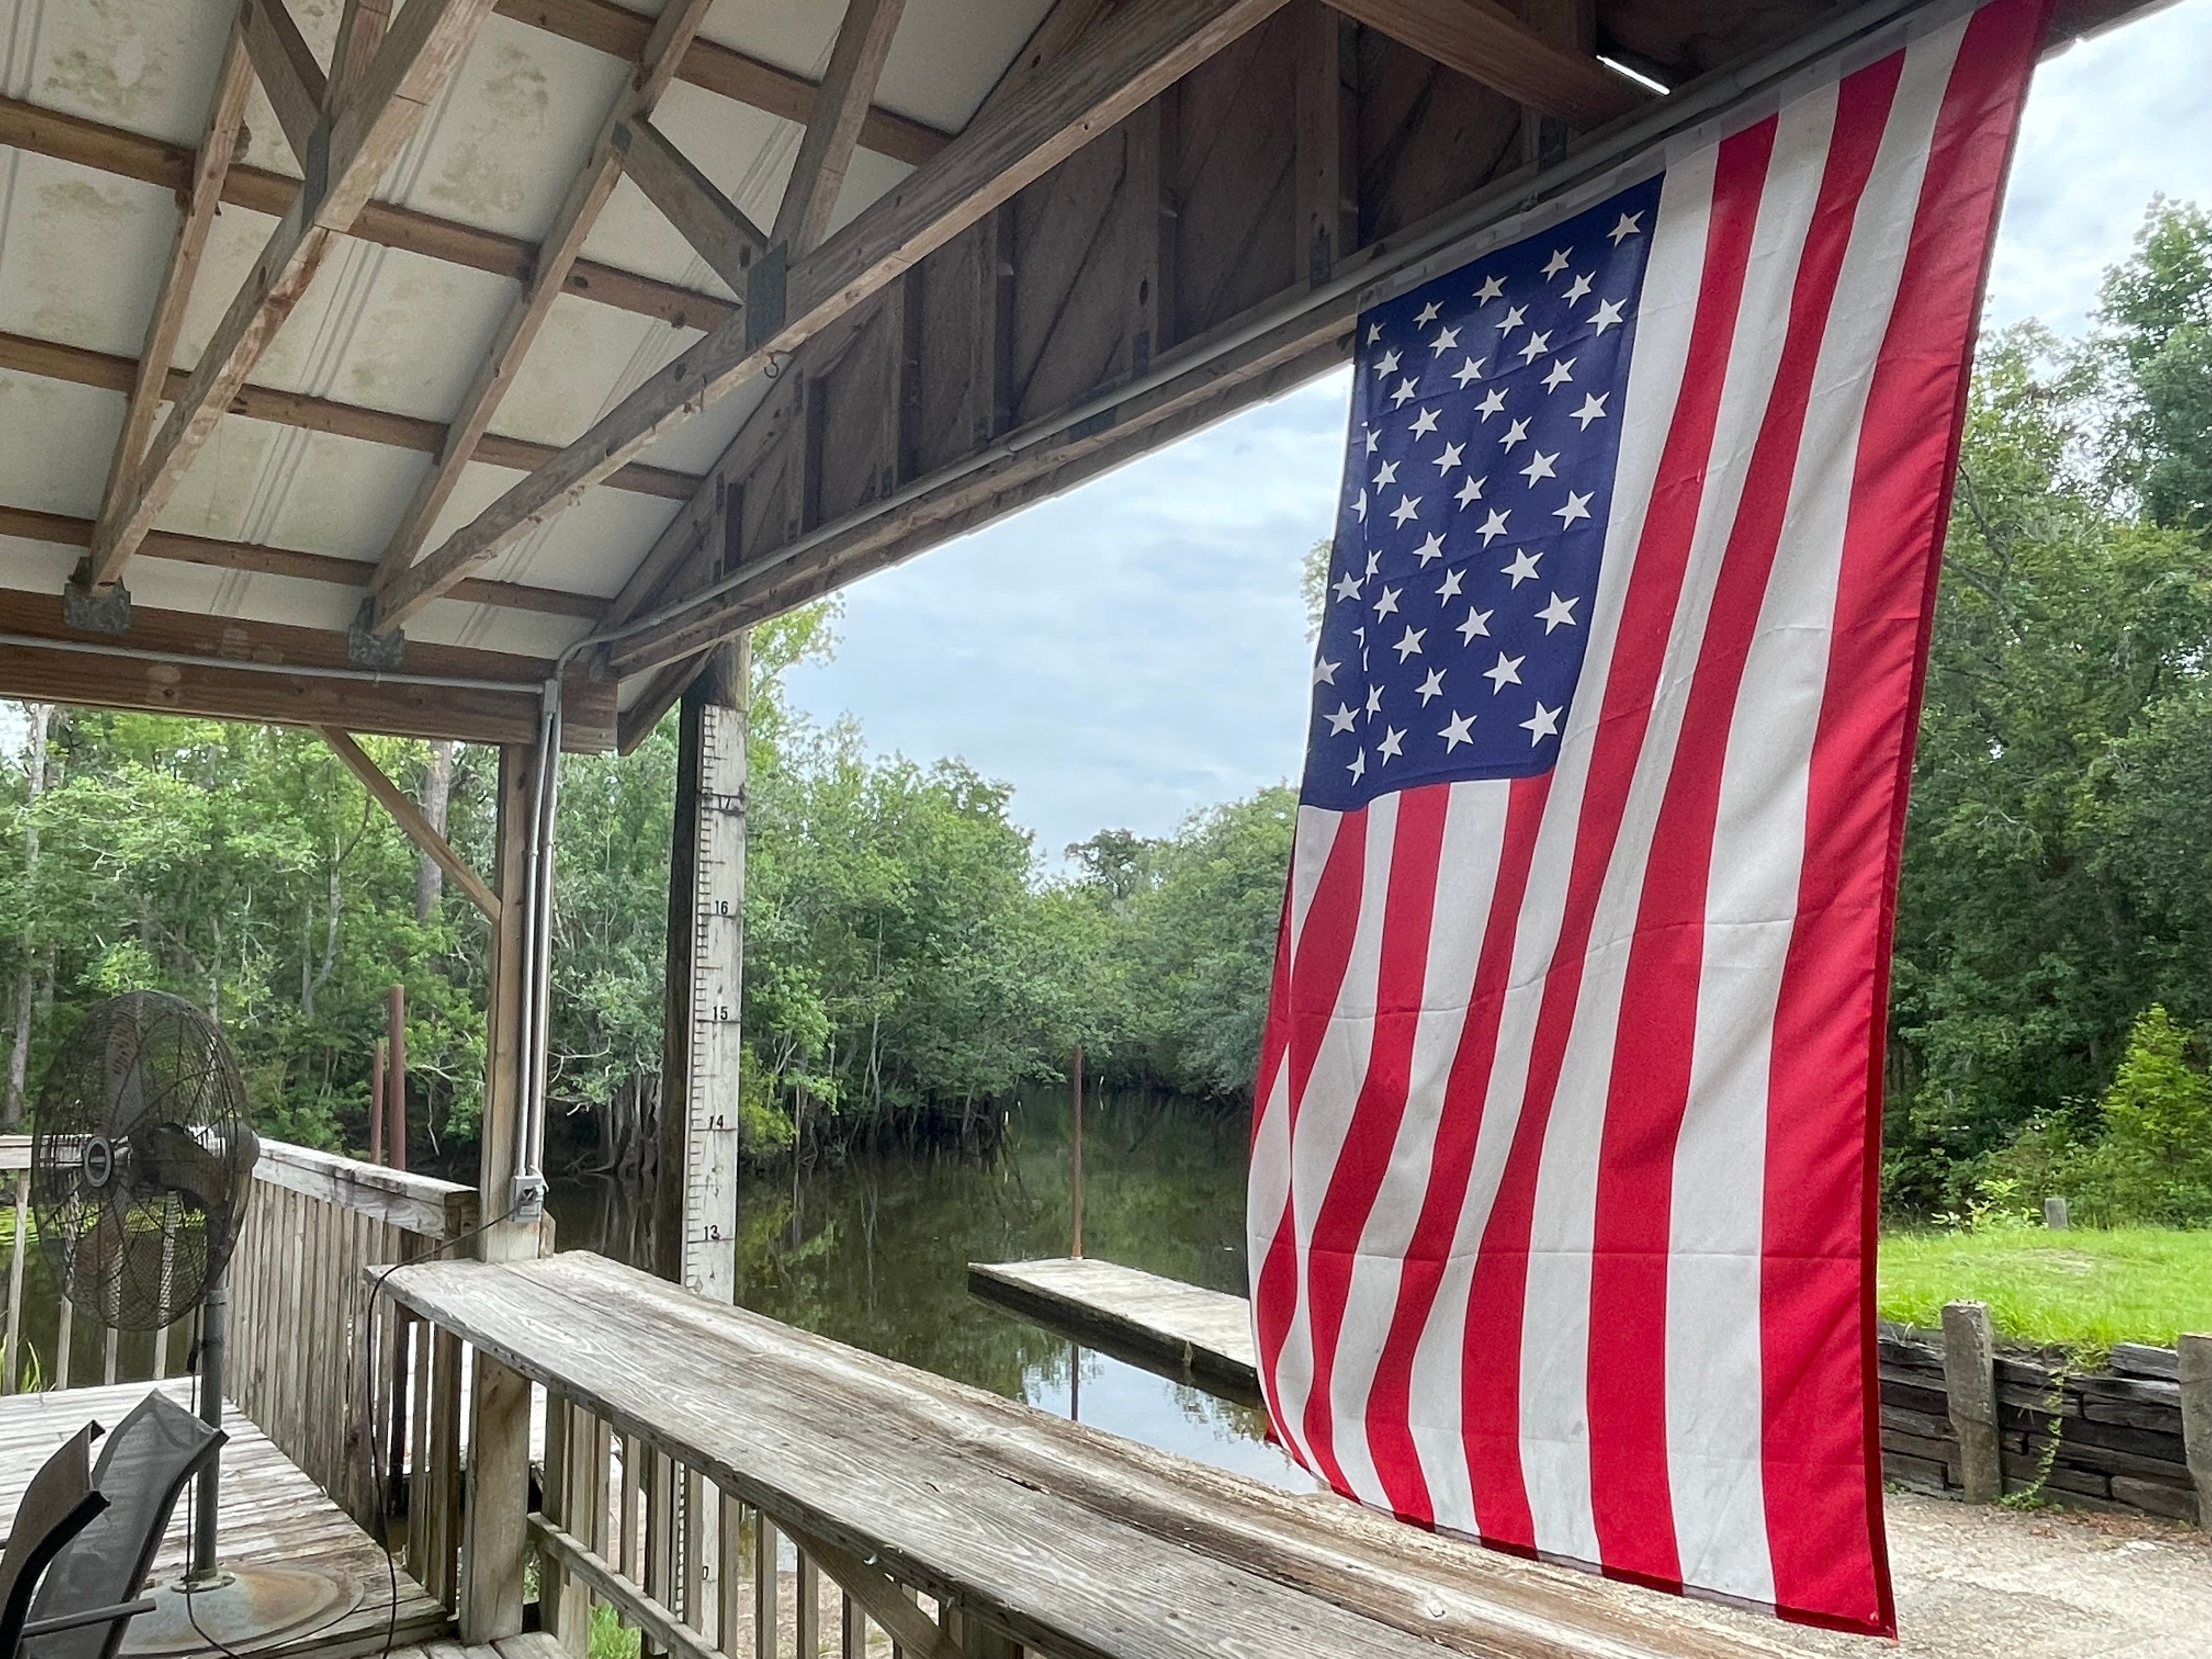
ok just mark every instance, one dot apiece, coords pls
pixel 229 668
pixel 128 154
pixel 81 366
pixel 1116 67
pixel 62 530
pixel 409 817
pixel 362 27
pixel 151 376
pixel 1485 42
pixel 525 317
pixel 361 136
pixel 818 176
pixel 621 33
pixel 285 65
pixel 718 230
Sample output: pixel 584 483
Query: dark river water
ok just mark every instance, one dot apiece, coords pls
pixel 874 1251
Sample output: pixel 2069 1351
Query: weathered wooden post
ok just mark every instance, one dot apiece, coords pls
pixel 1970 1380
pixel 376 1102
pixel 395 1076
pixel 2196 1352
pixel 495 1534
pixel 2054 1214
pixel 1075 1157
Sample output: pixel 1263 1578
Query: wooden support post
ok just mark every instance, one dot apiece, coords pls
pixel 395 1076
pixel 376 1113
pixel 1970 1382
pixel 21 1248
pixel 505 1045
pixel 1075 1156
pixel 1322 240
pixel 496 1536
pixel 697 1200
pixel 2195 1353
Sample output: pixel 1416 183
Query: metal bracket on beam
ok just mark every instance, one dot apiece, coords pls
pixel 91 610
pixel 765 295
pixel 367 648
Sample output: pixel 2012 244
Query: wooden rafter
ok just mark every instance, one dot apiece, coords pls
pixel 150 379
pixel 519 330
pixel 82 367
pixel 1116 67
pixel 128 154
pixel 360 135
pixel 63 530
pixel 717 228
pixel 856 62
pixel 288 71
pixel 621 33
pixel 1053 38
pixel 409 817
pixel 1485 42
pixel 362 28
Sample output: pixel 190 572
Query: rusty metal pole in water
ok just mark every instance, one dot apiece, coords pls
pixel 395 1075
pixel 376 1109
pixel 1075 1157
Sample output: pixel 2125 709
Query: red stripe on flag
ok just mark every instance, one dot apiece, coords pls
pixel 1491 1417
pixel 1317 970
pixel 1410 904
pixel 1389 1421
pixel 1823 1455
pixel 1631 1500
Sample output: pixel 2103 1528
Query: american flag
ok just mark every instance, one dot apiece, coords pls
pixel 1562 1202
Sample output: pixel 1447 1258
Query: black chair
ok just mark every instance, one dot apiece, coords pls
pixel 60 1501
pixel 89 1595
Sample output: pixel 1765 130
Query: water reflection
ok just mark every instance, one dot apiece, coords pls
pixel 874 1251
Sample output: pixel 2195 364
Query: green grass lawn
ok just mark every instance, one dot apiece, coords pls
pixel 2079 1287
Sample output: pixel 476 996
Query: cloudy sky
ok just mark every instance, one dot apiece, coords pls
pixel 1136 648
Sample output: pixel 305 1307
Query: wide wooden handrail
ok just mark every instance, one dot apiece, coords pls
pixel 1051 1537
pixel 440 1210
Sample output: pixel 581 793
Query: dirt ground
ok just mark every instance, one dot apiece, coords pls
pixel 1988 1583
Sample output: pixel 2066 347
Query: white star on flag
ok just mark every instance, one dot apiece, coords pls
pixel 1505 671
pixel 1455 733
pixel 1545 723
pixel 1560 613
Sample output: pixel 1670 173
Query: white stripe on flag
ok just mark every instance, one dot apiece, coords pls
pixel 1555 1348
pixel 1715 1403
pixel 1467 876
pixel 1269 1188
pixel 1326 1106
pixel 1665 317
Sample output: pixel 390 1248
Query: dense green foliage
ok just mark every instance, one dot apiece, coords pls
pixel 2057 871
pixel 913 960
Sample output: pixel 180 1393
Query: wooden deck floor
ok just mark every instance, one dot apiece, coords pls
pixel 1176 1330
pixel 271 1513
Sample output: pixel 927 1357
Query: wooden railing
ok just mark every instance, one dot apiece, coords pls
pixel 326 1386
pixel 699 1573
pixel 300 1364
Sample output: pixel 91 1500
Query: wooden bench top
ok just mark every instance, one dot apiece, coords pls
pixel 1082 1543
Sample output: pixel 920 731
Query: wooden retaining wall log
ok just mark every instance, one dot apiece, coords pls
pixel 2194 1351
pixel 1970 1383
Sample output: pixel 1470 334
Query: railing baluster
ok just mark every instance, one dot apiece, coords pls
pixel 11 1349
pixel 64 1341
pixel 729 1574
pixel 806 1623
pixel 764 1586
pixel 853 1629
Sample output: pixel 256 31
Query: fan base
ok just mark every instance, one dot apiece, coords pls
pixel 247 1607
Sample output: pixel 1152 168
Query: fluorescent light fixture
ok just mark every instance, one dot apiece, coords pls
pixel 1637 76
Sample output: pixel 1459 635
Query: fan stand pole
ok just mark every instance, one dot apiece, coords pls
pixel 214 1331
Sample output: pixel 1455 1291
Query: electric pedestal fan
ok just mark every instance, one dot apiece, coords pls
pixel 142 1157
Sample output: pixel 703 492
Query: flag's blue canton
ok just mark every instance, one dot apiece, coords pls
pixel 1485 422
